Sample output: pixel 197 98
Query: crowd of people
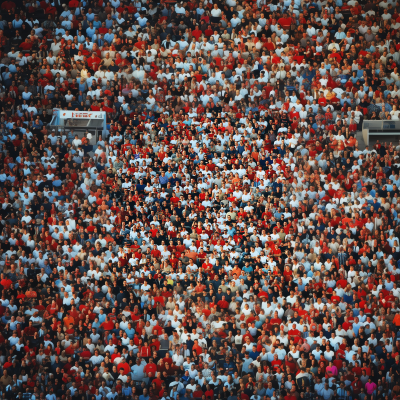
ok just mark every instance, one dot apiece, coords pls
pixel 226 237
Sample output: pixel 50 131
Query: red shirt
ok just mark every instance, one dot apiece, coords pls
pixel 151 367
pixel 197 33
pixel 275 364
pixel 25 46
pixel 223 304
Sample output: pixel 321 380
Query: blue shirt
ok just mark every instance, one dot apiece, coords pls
pixel 254 355
pixel 130 333
pixel 246 364
pixel 90 32
pixel 163 180
pixel 270 392
pixel 108 37
pixel 356 327
pixel 376 206
pixel 127 391
pixel 301 287
pixel 88 84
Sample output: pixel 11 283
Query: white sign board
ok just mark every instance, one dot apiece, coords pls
pixel 64 114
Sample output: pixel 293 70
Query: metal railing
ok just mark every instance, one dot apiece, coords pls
pixel 386 127
pixel 78 130
pixel 381 126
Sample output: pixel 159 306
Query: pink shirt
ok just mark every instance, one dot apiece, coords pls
pixel 370 387
pixel 333 370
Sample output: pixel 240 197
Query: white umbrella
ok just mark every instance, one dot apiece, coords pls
pixel 49 87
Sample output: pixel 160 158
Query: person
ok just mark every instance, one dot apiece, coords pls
pixel 186 195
